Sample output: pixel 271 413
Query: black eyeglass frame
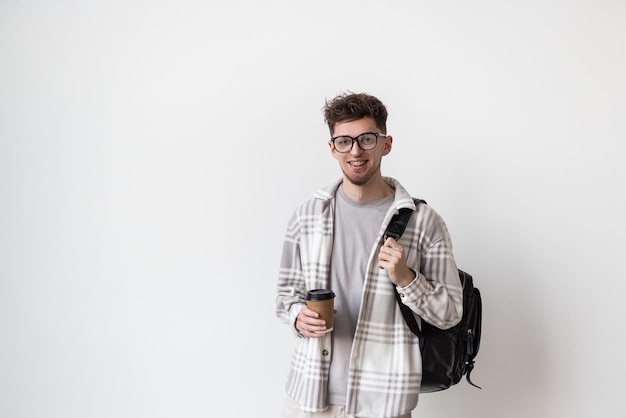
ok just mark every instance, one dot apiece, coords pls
pixel 358 141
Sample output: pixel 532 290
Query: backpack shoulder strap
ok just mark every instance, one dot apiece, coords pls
pixel 398 222
pixel 395 230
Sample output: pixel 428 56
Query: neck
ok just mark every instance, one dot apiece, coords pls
pixel 366 192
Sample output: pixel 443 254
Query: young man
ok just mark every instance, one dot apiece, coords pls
pixel 370 364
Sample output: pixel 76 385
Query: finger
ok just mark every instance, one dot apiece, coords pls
pixel 311 318
pixel 311 330
pixel 314 334
pixel 389 242
pixel 388 254
pixel 309 312
pixel 392 243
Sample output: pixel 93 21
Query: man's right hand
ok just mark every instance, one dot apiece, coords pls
pixel 309 324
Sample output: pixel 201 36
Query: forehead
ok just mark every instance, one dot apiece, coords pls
pixel 355 127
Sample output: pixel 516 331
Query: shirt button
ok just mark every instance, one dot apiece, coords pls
pixel 325 352
pixel 401 295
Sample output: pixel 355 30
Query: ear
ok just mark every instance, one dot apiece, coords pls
pixel 333 152
pixel 387 146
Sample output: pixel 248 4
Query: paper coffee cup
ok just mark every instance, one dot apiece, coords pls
pixel 322 301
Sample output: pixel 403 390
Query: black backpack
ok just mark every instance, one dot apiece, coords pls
pixel 448 354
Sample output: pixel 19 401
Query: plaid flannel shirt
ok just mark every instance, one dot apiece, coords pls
pixel 385 365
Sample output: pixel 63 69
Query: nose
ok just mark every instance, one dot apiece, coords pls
pixel 356 148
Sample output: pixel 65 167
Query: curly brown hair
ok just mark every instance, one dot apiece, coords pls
pixel 353 106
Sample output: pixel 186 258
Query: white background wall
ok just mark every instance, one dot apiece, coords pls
pixel 151 153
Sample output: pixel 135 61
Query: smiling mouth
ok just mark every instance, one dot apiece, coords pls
pixel 357 163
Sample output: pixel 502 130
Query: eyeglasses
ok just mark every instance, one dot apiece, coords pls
pixel 366 141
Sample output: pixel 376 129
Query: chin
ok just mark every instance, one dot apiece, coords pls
pixel 360 181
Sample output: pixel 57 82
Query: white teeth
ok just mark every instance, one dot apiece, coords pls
pixel 357 163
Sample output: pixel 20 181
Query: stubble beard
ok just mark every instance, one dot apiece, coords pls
pixel 362 180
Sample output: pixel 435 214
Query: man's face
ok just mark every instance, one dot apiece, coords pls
pixel 360 166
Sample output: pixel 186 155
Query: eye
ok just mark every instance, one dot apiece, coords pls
pixel 367 139
pixel 343 141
